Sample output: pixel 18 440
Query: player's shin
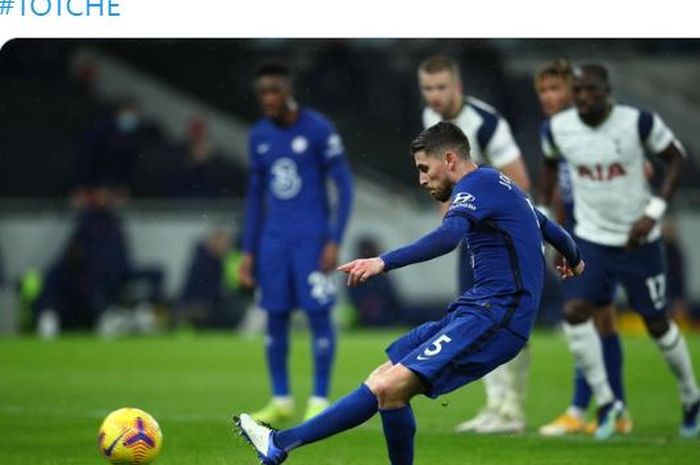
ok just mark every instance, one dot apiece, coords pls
pixel 350 411
pixel 323 351
pixel 587 350
pixel 277 351
pixel 675 351
pixel 399 430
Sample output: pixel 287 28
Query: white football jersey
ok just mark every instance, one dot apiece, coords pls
pixel 488 132
pixel 606 162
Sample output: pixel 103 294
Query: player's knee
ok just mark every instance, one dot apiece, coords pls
pixel 389 394
pixel 577 311
pixel 656 325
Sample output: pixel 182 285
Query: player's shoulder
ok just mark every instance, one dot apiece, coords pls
pixel 260 127
pixel 565 118
pixel 482 107
pixel 430 117
pixel 316 119
pixel 480 178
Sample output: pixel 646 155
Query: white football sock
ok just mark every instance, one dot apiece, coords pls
pixel 515 385
pixel 587 350
pixel 520 369
pixel 675 351
pixel 496 383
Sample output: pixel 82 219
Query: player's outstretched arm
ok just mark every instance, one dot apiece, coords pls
pixel 572 265
pixel 442 240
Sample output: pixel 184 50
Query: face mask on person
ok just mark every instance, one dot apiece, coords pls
pixel 127 121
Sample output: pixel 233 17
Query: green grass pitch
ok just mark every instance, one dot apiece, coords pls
pixel 53 396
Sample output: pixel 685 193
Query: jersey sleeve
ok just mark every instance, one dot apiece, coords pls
pixel 655 134
pixel 549 147
pixel 502 149
pixel 332 156
pixel 253 201
pixel 559 238
pixel 440 241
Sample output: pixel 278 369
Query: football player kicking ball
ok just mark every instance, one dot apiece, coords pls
pixel 484 328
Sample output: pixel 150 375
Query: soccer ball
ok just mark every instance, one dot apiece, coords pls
pixel 130 436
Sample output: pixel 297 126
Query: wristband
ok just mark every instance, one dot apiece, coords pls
pixel 656 208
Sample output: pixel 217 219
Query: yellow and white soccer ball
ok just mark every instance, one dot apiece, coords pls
pixel 130 436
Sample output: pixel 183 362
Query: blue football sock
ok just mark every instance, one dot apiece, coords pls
pixel 399 431
pixel 276 350
pixel 582 391
pixel 323 349
pixel 350 411
pixel 612 353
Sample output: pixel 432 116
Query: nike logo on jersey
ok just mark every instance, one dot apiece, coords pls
pixel 263 148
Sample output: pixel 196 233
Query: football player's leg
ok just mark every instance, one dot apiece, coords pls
pixel 394 388
pixel 274 446
pixel 361 404
pixel 644 276
pixel 605 322
pixel 323 352
pixel 275 288
pixel 316 294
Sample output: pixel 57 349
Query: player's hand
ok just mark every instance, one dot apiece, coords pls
pixel 566 271
pixel 640 231
pixel 329 257
pixel 362 269
pixel 245 271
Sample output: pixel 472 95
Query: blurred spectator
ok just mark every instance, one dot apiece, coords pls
pixel 88 274
pixel 376 300
pixel 208 299
pixel 88 282
pixel 197 176
pixel 108 156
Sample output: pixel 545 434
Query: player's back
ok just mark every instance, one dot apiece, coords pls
pixel 505 243
pixel 293 162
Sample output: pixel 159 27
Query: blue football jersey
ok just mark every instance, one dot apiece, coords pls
pixel 506 247
pixel 292 164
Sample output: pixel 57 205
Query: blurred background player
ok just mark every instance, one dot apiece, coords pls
pixel 617 226
pixel 440 83
pixel 553 87
pixel 291 239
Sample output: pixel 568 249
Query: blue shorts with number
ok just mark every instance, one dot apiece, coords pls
pixel 288 274
pixel 641 272
pixel 462 347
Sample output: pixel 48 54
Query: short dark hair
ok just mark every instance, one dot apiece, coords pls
pixel 598 70
pixel 273 68
pixel 439 63
pixel 439 137
pixel 559 68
